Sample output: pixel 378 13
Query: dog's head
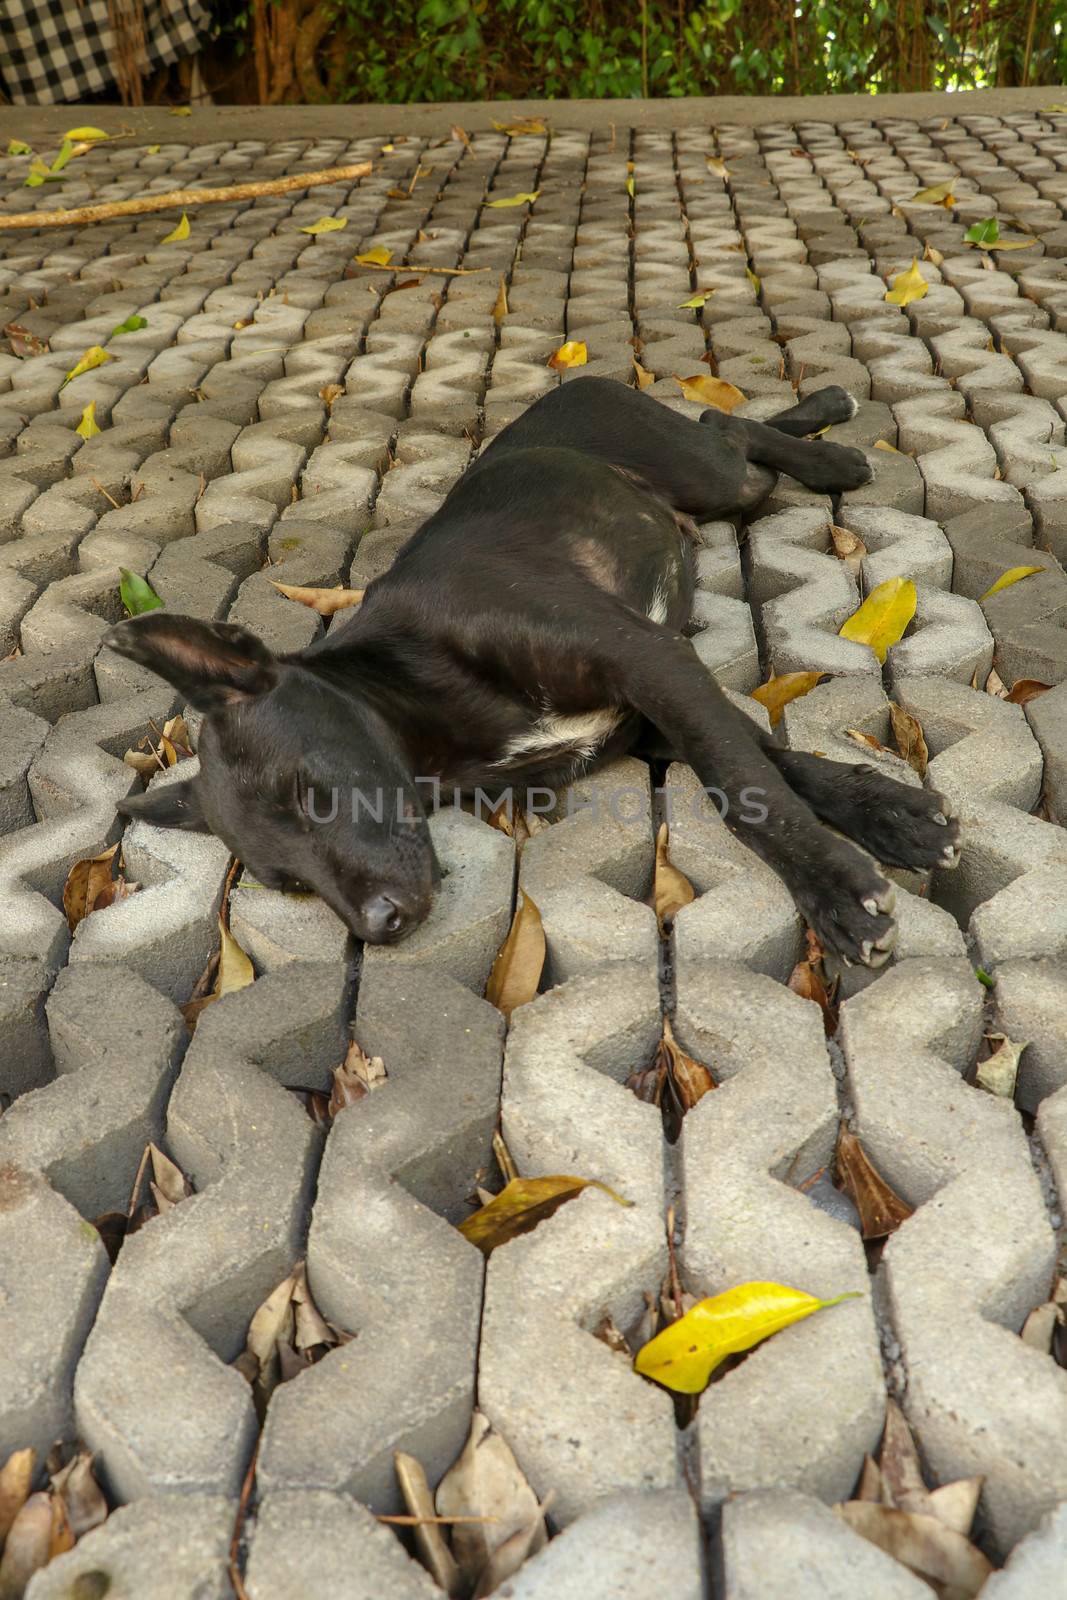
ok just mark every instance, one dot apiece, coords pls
pixel 302 780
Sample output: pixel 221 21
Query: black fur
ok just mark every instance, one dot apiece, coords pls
pixel 525 600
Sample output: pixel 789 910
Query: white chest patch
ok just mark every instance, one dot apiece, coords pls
pixel 578 736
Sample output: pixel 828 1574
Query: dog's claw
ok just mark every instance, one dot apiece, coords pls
pixel 870 905
pixel 940 818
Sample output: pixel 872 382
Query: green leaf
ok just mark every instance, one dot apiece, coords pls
pixel 65 152
pixel 131 325
pixel 686 1353
pixel 137 594
pixel 984 978
pixel 987 232
pixel 18 147
pixel 82 135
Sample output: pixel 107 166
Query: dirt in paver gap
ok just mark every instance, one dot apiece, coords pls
pixel 211 412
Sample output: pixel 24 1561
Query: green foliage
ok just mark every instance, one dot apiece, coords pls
pixel 413 50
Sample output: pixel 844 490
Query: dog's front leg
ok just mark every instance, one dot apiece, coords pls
pixel 839 892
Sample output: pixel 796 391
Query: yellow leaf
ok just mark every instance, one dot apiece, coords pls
pixel 500 305
pixel 88 427
pixel 671 889
pixel 181 111
pixel 717 165
pixel 1006 579
pixel 575 353
pixel 95 356
pixel 235 969
pixel 516 199
pixel 883 444
pixel 74 134
pixel 1011 244
pixel 940 195
pixel 709 391
pixel 378 257
pixel 517 969
pixel 777 692
pixel 930 254
pixel 179 233
pixel 697 300
pixel 753 280
pixel 883 616
pixel 1054 108
pixel 644 378
pixel 152 149
pixel 630 187
pixel 524 1203
pixel 325 601
pixel 387 149
pixel 326 225
pixel 907 286
pixel 522 125
pixel 684 1356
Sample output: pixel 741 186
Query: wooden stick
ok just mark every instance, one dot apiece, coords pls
pixel 182 197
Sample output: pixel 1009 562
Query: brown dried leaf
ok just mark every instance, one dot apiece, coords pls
pixel 517 969
pixel 355 1077
pixel 808 980
pixel 870 1484
pixel 929 1548
pixel 709 391
pixel 500 305
pixel 28 1546
pixel 908 735
pixel 779 691
pixel 881 1209
pixel 430 1543
pixel 16 1480
pixel 671 889
pixel 849 547
pixel 331 392
pixel 81 1494
pixel 24 345
pixel 995 685
pixel 86 881
pixel 691 1080
pixel 998 1073
pixel 866 738
pixel 325 601
pixel 169 1184
pixel 1039 1326
pixel 486 1481
pixel 311 1328
pixel 609 1334
pixel 459 133
pixel 1023 690
pixel 232 971
pixel 644 378
pixel 509 1556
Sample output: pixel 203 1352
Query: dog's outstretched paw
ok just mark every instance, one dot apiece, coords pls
pixel 848 905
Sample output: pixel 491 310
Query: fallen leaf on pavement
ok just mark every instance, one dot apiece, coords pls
pixel 95 356
pixel 696 301
pixel 995 685
pixel 31 1543
pixel 778 692
pixel 881 1210
pixel 16 1480
pixel 325 225
pixel 325 601
pixel 848 547
pixel 709 391
pixel 81 1494
pixel 683 1356
pixel 137 594
pixel 517 969
pixel 883 617
pixel 574 353
pixel 1006 579
pixel 883 444
pixel 174 746
pixel 521 1205
pixel 923 1544
pixel 521 126
pixel 500 304
pixel 132 324
pixel 510 1554
pixel 997 1074
pixel 717 165
pixel 176 235
pixel 431 1545
pixel 940 194
pixel 908 736
pixel 357 1075
pixel 808 980
pixel 169 1185
pixel 1023 690
pixel 675 1082
pixel 859 737
pixel 379 256
pixel 88 427
pixel 526 198
pixel 234 971
pixel 87 882
pixel 907 286
pixel 24 345
pixel 671 889
pixel 487 1481
pixel 986 232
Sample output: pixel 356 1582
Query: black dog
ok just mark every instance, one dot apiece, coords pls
pixel 533 626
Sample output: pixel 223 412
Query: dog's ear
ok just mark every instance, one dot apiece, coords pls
pixel 211 664
pixel 168 805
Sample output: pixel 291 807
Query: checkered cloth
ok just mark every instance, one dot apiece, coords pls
pixel 56 50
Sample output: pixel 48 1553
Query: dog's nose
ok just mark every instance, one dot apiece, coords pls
pixel 384 919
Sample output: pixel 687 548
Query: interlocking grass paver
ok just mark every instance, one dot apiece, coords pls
pixel 233 462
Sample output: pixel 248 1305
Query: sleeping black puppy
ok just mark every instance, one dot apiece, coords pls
pixel 532 626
